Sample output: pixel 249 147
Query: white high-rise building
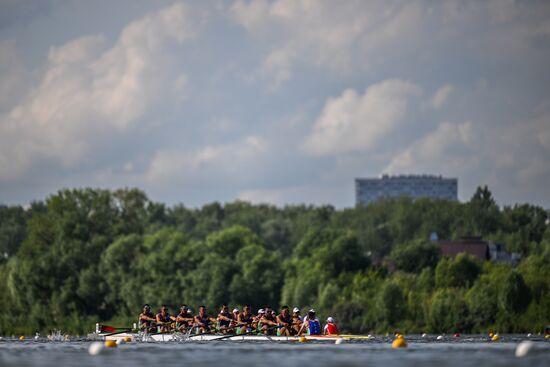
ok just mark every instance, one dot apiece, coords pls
pixel 368 190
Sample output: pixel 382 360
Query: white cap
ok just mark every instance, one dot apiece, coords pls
pixel 296 309
pixel 330 320
pixel 235 309
pixel 261 310
pixel 312 310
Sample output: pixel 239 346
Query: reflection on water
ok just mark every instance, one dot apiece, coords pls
pixel 426 352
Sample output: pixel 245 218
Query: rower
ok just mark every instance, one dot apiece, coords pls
pixel 284 322
pixel 245 320
pixel 236 314
pixel 225 319
pixel 256 324
pixel 202 320
pixel 164 320
pixel 296 321
pixel 184 319
pixel 268 321
pixel 330 327
pixel 146 319
pixel 311 324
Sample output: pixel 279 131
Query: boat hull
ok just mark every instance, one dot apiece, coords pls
pixel 179 337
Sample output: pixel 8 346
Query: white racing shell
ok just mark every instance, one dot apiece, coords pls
pixel 180 337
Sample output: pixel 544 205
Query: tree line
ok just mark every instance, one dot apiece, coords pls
pixel 88 255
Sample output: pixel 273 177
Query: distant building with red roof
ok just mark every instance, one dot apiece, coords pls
pixel 475 246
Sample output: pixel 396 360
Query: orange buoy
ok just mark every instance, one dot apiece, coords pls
pixel 110 344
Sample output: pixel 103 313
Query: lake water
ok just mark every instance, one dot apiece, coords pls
pixel 426 352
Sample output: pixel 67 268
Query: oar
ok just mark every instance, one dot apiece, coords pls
pixel 352 336
pixel 207 333
pixel 110 329
pixel 247 333
pixel 118 332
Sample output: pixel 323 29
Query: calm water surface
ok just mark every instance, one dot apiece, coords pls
pixel 425 352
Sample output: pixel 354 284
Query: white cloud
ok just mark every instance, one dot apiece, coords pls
pixel 305 194
pixel 449 149
pixel 441 96
pixel 131 103
pixel 13 76
pixel 228 162
pixel 326 34
pixel 513 159
pixel 88 93
pixel 358 122
pixel 361 36
pixel 80 50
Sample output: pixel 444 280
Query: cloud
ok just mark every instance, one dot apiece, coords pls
pixel 334 36
pixel 173 100
pixel 90 93
pixel 356 122
pixel 368 36
pixel 15 79
pixel 441 96
pixel 449 149
pixel 512 157
pixel 207 165
pixel 304 194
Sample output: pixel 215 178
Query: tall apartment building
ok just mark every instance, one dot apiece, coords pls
pixel 368 190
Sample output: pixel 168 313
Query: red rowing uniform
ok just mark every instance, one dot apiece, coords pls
pixel 331 329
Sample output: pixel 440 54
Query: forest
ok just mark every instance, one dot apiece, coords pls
pixel 83 256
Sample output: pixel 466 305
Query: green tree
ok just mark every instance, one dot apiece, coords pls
pixel 514 295
pixel 259 278
pixel 462 271
pixel 392 304
pixel 414 257
pixel 448 312
pixel 482 303
pixel 13 230
pixel 483 212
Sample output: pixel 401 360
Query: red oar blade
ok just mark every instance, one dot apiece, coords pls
pixel 107 329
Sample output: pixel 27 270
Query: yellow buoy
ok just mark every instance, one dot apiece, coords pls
pixel 399 343
pixel 127 339
pixel 495 338
pixel 110 343
pixel 22 337
pixel 547 336
pixel 302 339
pixel 491 335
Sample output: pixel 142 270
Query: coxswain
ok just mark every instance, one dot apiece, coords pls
pixel 268 321
pixel 245 320
pixel 284 322
pixel 164 320
pixel 296 321
pixel 202 320
pixel 311 324
pixel 225 319
pixel 147 319
pixel 330 327
pixel 184 319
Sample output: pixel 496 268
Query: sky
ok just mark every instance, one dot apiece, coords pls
pixel 281 102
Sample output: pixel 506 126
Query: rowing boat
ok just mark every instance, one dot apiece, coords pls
pixel 180 337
